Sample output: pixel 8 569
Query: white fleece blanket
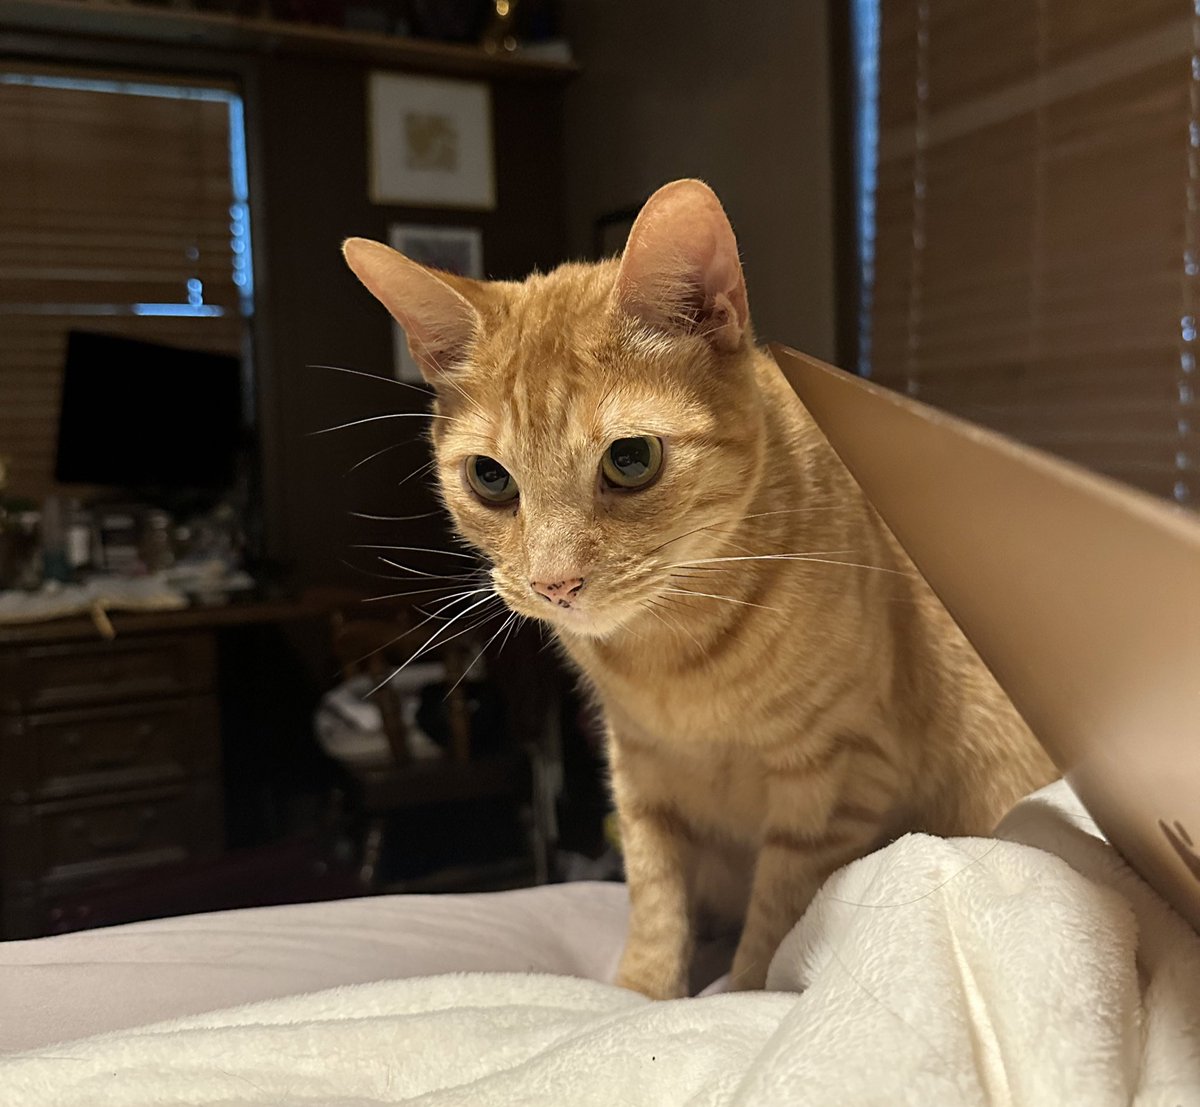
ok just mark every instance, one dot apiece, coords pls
pixel 1032 969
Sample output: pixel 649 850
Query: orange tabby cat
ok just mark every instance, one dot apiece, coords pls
pixel 782 692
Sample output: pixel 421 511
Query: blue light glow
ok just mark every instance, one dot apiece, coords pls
pixel 864 22
pixel 191 311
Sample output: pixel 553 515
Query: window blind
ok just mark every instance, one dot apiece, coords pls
pixel 1036 255
pixel 123 211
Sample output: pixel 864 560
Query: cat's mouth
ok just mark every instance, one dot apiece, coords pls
pixel 585 612
pixel 590 620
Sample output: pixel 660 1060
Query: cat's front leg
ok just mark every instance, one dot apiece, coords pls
pixel 800 849
pixel 657 850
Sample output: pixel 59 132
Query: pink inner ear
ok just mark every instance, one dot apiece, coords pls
pixel 438 321
pixel 680 270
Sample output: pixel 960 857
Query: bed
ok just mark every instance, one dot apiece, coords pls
pixel 1035 968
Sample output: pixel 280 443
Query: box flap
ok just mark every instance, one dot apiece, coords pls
pixel 1081 595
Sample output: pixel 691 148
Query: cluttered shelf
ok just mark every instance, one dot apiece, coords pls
pixel 218 30
pixel 248 612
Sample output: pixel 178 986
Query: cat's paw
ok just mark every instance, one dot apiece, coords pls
pixel 651 980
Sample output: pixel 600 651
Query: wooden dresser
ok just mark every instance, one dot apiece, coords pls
pixel 110 755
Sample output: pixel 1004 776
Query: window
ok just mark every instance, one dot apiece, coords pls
pixel 124 210
pixel 1030 233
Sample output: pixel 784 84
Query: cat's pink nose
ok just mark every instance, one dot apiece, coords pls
pixel 560 592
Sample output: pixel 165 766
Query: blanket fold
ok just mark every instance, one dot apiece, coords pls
pixel 1034 968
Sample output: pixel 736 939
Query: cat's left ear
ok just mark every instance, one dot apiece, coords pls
pixel 680 270
pixel 439 321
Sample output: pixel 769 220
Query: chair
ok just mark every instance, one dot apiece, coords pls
pixel 376 647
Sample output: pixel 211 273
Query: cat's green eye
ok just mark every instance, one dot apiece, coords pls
pixel 631 463
pixel 489 480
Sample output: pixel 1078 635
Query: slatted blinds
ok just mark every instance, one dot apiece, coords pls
pixel 122 211
pixel 1036 251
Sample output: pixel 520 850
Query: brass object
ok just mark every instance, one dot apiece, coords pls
pixel 499 37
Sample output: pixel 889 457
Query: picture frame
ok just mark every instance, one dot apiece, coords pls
pixel 457 250
pixel 430 142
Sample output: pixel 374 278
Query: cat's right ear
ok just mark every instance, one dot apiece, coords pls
pixel 680 270
pixel 439 322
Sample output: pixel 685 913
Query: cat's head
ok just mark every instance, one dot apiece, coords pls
pixel 600 423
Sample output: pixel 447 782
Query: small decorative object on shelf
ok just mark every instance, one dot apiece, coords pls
pixel 499 36
pixel 431 142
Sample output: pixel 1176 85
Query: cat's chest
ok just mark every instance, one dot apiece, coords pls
pixel 684 712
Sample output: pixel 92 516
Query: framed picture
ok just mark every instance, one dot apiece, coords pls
pixel 456 250
pixel 430 142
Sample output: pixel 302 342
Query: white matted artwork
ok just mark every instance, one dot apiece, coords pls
pixel 456 250
pixel 431 142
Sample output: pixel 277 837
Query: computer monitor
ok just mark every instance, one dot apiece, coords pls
pixel 145 417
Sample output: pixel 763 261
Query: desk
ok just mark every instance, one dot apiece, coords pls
pixel 110 751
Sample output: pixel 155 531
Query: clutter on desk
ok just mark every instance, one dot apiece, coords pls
pixel 63 557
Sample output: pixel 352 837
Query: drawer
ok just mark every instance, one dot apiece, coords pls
pixel 107 749
pixel 80 674
pixel 69 843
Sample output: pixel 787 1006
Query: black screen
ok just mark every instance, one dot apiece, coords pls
pixel 143 416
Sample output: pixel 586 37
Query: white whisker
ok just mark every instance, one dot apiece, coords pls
pixel 393 518
pixel 411 592
pixel 653 608
pixel 373 377
pixel 520 620
pixel 414 549
pixel 451 601
pixel 419 471
pixel 791 557
pixel 744 518
pixel 377 418
pixel 715 596
pixel 421 572
pixel 463 675
pixel 430 641
pixel 372 457
pixel 416 626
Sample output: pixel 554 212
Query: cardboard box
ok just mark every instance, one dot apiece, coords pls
pixel 1081 595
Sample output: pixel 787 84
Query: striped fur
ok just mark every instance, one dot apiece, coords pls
pixel 804 710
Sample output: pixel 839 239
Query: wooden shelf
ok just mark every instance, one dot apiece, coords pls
pixel 234 614
pixel 99 19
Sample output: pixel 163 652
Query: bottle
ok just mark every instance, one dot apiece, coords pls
pixel 79 540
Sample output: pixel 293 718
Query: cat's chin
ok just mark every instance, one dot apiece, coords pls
pixel 576 623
